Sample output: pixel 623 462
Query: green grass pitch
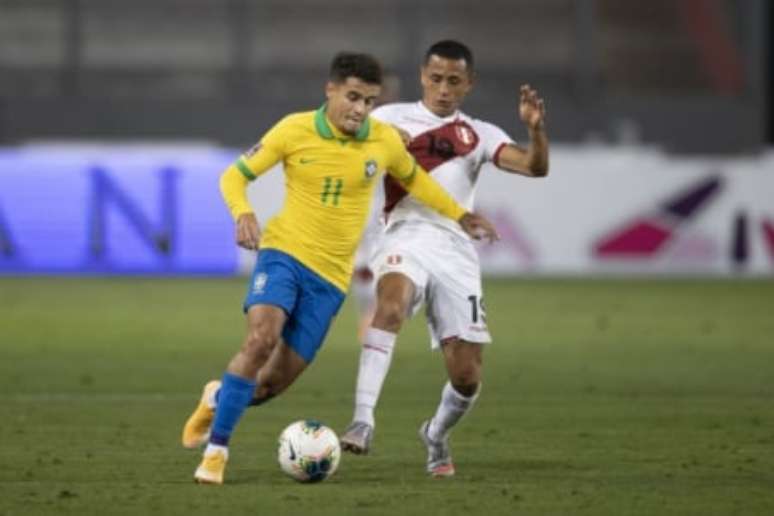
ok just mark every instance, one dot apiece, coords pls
pixel 600 397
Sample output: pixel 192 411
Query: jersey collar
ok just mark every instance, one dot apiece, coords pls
pixel 451 118
pixel 329 132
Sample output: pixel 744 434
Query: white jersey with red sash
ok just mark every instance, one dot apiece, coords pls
pixel 444 267
pixel 452 149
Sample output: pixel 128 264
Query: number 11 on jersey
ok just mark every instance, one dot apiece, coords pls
pixel 331 191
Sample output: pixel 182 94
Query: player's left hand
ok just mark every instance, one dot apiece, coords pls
pixel 532 111
pixel 478 227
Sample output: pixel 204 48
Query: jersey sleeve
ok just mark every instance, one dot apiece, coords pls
pixel 233 188
pixel 252 163
pixel 494 140
pixel 266 153
pixel 401 165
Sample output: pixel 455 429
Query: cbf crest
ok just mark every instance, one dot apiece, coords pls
pixel 371 167
pixel 259 283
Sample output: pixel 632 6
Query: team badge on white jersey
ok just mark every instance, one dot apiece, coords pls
pixel 464 134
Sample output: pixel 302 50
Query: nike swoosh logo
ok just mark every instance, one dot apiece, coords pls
pixel 292 452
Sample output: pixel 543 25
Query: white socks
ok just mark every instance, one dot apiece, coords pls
pixel 375 358
pixel 452 407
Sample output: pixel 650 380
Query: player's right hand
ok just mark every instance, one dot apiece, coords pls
pixel 478 227
pixel 248 232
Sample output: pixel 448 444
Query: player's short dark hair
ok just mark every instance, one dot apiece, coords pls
pixel 352 64
pixel 451 49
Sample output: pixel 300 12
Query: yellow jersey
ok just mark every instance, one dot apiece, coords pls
pixel 329 182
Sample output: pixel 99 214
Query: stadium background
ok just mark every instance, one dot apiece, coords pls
pixel 631 297
pixel 129 110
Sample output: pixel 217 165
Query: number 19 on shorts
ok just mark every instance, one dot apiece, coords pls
pixel 477 310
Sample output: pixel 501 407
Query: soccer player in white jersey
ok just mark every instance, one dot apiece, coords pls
pixel 422 258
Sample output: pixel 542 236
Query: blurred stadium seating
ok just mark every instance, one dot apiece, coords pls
pixel 660 72
pixel 647 103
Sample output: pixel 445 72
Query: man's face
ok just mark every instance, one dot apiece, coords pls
pixel 445 82
pixel 350 102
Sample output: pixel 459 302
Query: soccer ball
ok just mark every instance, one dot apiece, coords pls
pixel 308 451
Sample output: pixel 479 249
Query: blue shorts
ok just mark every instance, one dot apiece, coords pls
pixel 309 301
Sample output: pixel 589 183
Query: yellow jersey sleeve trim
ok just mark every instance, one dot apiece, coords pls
pixel 244 169
pixel 233 188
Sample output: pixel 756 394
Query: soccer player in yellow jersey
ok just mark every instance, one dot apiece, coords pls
pixel 332 158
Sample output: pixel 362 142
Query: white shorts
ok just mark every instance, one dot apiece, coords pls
pixel 363 286
pixel 363 289
pixel 446 274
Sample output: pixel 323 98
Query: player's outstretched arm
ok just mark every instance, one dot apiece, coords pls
pixel 425 189
pixel 531 161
